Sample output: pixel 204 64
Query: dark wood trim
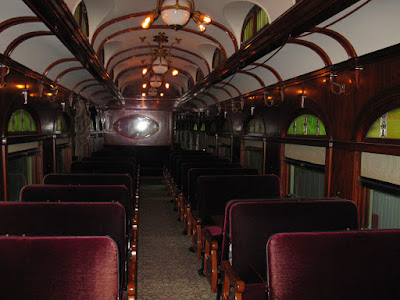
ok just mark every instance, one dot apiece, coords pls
pixel 60 61
pixel 22 38
pixel 57 17
pixel 67 71
pixel 260 81
pixel 318 50
pixel 17 21
pixel 163 27
pixel 300 18
pixel 87 86
pixel 82 82
pixel 271 69
pixel 146 46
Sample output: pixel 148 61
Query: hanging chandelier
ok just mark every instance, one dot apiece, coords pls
pixel 176 14
pixel 160 56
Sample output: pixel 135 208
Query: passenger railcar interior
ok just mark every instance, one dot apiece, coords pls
pixel 240 130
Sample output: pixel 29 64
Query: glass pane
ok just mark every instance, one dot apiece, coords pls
pixel 20 173
pixel 262 19
pixel 307 125
pixel 306 183
pixel 248 30
pixel 388 125
pixel 136 126
pixel 384 211
pixel 255 160
pixel 61 160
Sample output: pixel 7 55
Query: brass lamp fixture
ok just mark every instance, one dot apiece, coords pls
pixel 176 14
pixel 160 56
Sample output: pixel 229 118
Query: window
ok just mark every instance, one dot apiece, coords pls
pixel 255 126
pixel 199 76
pixel 255 20
pixel 61 125
pixel 387 126
pixel 81 17
pixel 379 177
pixel 306 170
pixel 307 125
pixel 21 167
pixel 254 154
pixel 218 58
pixel 21 121
pixel 136 126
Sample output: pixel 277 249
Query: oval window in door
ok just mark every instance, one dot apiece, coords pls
pixel 136 126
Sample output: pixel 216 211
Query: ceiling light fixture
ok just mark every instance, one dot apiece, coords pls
pixel 176 14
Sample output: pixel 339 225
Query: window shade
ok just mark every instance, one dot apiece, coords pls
pixel 381 167
pixel 311 154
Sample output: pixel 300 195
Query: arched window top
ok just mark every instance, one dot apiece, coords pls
pixel 386 126
pixel 307 125
pixel 255 20
pixel 81 17
pixel 218 58
pixel 61 124
pixel 255 126
pixel 21 121
pixel 227 127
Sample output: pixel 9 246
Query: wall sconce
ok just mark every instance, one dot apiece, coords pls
pixel 63 106
pixel 25 94
pixel 4 71
pixel 252 109
pixel 219 108
pixel 336 88
pixel 70 99
pixel 225 114
pixel 241 103
pixel 303 98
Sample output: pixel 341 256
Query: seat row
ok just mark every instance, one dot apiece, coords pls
pixel 234 216
pixel 99 200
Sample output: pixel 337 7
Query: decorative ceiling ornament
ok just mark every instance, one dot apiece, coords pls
pixel 176 14
pixel 160 56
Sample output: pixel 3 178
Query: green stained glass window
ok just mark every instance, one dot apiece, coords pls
pixel 306 125
pixel 255 126
pixel 203 127
pixel 21 121
pixel 387 126
pixel 262 19
pixel 61 124
pixel 255 20
pixel 195 127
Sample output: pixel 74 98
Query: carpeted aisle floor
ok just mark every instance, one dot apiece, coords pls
pixel 165 267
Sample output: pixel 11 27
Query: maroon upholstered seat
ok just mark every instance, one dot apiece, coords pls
pixel 214 192
pixel 68 219
pixel 334 265
pixel 62 268
pixel 80 193
pixel 90 179
pixel 252 224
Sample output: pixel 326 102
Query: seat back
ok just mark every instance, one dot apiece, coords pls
pixel 334 265
pixel 80 193
pixel 195 173
pixel 67 219
pixel 187 166
pixel 60 268
pixel 90 179
pixel 252 224
pixel 214 192
pixel 104 167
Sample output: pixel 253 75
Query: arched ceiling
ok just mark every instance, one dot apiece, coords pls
pixel 303 36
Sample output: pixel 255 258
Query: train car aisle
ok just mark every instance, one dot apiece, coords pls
pixel 166 269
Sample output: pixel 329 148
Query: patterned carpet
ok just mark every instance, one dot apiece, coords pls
pixel 166 269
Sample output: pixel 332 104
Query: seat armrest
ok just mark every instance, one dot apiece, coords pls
pixel 231 279
pixel 196 234
pixel 210 259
